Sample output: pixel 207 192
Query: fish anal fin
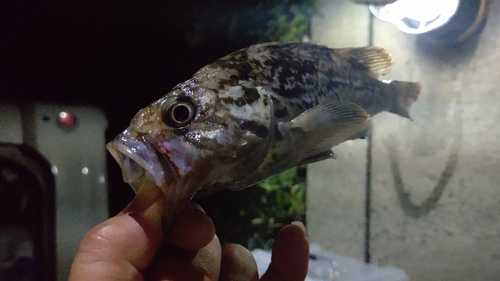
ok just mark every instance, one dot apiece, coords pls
pixel 320 128
pixel 376 61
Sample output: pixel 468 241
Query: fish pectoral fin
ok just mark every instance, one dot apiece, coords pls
pixel 363 132
pixel 317 157
pixel 320 128
pixel 374 60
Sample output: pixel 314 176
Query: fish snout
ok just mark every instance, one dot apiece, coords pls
pixel 139 160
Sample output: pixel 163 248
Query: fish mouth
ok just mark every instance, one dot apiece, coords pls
pixel 140 161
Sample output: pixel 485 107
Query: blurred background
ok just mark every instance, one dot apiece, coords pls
pixel 422 195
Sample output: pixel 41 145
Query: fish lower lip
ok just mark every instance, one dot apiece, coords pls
pixel 139 160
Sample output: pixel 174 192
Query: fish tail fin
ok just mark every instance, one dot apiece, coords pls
pixel 406 93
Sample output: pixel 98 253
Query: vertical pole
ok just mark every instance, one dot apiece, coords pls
pixel 368 166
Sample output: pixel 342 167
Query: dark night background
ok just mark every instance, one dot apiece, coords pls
pixel 116 55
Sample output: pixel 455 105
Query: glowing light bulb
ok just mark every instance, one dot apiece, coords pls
pixel 416 16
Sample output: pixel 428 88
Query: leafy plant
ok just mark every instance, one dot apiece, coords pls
pixel 253 216
pixel 284 202
pixel 290 21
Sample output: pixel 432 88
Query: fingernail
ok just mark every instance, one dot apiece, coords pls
pixel 301 225
pixel 195 205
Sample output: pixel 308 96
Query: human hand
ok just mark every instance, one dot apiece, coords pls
pixel 131 246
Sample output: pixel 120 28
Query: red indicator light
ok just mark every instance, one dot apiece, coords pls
pixel 66 119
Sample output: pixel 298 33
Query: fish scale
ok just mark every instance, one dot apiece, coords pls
pixel 294 76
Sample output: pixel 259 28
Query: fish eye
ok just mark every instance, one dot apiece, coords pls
pixel 179 113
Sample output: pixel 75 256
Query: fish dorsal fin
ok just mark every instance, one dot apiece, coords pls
pixel 376 61
pixel 320 128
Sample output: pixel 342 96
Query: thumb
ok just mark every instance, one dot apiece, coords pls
pixel 119 248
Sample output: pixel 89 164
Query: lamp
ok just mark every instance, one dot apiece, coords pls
pixel 440 21
pixel 416 16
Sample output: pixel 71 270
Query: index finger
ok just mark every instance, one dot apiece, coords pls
pixel 290 255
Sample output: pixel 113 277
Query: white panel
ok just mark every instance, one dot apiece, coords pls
pixel 79 163
pixel 10 124
pixel 336 188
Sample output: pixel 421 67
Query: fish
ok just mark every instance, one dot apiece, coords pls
pixel 252 114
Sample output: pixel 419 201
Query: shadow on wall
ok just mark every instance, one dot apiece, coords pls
pixel 450 46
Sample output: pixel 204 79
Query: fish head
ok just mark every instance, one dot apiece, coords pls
pixel 193 138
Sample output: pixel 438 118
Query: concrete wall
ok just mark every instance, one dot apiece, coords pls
pixel 435 204
pixel 336 188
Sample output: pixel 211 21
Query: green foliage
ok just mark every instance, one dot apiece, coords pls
pixel 289 190
pixel 283 202
pixel 290 21
pixel 252 217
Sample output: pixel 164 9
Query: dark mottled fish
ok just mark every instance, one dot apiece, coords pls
pixel 253 114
